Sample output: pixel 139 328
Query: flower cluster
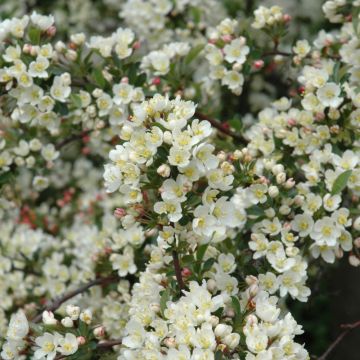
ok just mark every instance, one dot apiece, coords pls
pixel 227 54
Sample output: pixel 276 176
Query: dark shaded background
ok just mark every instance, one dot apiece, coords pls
pixel 335 300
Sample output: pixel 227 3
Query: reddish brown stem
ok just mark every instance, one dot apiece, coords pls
pixel 56 303
pixel 348 328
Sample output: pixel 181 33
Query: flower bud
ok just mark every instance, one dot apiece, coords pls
pixel 167 137
pixel 292 251
pixel 214 320
pixel 97 92
pixel 222 330
pixel 357 242
pixel 253 290
pixel 71 55
pixel 67 322
pixel 73 311
pixel 156 81
pixel 258 64
pixel 86 316
pixel 155 307
pixel 354 260
pixel 170 342
pixel 211 285
pixel 356 224
pixel 273 191
pixel 163 170
pixel 270 212
pixel 290 183
pixel 51 31
pixel 81 340
pixel 48 318
pixel 284 210
pixel 232 340
pixel 78 39
pixel 35 144
pixel 251 320
pixel 60 46
pixel 280 178
pixel 251 279
pixel 99 332
pixel 119 213
pixel 277 169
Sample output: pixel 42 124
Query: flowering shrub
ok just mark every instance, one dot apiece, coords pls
pixel 168 184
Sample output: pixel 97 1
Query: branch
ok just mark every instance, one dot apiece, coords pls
pixel 222 128
pixel 109 344
pixel 348 328
pixel 178 270
pixel 56 303
pixel 72 138
pixel 276 52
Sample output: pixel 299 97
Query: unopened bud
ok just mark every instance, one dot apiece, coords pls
pixel 51 31
pixel 354 260
pixel 290 183
pixel 67 322
pixel 163 170
pixel 273 191
pixel 170 342
pixel 280 178
pixel 222 330
pixel 232 340
pixel 99 332
pixel 81 340
pixel 258 64
pixel 119 213
pixel 48 318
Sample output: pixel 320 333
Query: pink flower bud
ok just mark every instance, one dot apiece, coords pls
pixel 156 81
pixel 125 80
pixel 119 213
pixel 99 331
pixel 186 272
pixel 291 122
pixel 287 18
pixel 27 48
pixel 258 64
pixel 320 116
pixel 136 45
pixel 51 31
pixel 81 340
pixel 226 38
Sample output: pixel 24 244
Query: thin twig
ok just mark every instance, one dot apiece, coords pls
pixel 178 270
pixel 72 138
pixel 109 343
pixel 56 303
pixel 218 125
pixel 348 328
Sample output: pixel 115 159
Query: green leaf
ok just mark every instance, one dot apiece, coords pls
pixel 208 264
pixel 98 77
pixel 201 251
pixel 165 297
pixel 193 53
pixel 340 182
pixel 76 100
pixel 34 35
pixel 196 14
pixel 236 305
pixel 6 177
pixel 218 355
